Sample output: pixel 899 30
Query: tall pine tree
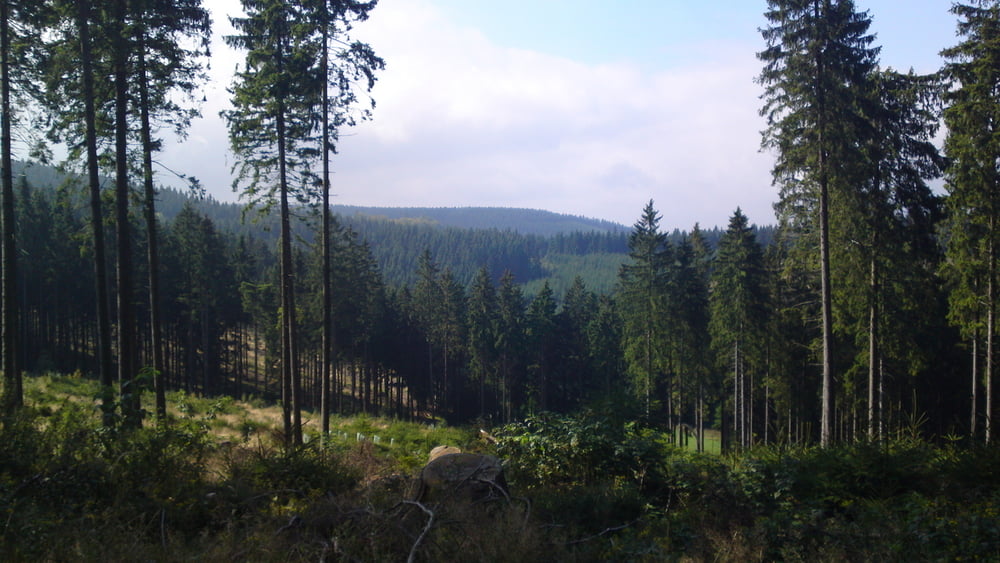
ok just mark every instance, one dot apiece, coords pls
pixel 18 29
pixel 171 38
pixel 738 323
pixel 77 48
pixel 817 62
pixel 973 180
pixel 343 72
pixel 643 299
pixel 272 134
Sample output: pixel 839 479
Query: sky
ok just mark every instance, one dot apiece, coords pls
pixel 585 107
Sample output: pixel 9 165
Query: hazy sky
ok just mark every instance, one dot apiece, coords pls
pixel 574 106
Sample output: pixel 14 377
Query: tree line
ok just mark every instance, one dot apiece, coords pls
pixel 107 77
pixel 873 300
pixel 694 336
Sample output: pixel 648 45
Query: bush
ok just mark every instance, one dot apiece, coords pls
pixel 586 488
pixel 553 450
pixel 302 472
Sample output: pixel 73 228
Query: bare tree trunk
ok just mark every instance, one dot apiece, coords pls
pixel 748 379
pixel 290 384
pixel 826 427
pixel 724 437
pixel 767 413
pixel 826 408
pixel 990 329
pixel 881 418
pixel 13 394
pixel 873 352
pixel 152 244
pixel 130 392
pixel 285 273
pixel 699 422
pixel 737 431
pixel 105 361
pixel 649 368
pixel 974 399
pixel 327 341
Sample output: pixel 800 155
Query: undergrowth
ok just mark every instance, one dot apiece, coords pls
pixel 216 484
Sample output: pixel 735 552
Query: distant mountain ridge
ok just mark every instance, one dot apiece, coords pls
pixel 524 221
pixel 535 246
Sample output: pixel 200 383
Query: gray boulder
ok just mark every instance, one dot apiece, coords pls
pixel 456 474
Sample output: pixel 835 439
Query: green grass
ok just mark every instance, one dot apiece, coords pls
pixel 713 442
pixel 232 420
pixel 216 484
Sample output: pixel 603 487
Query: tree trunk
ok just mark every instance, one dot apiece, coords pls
pixel 990 329
pixel 152 250
pixel 105 362
pixel 291 385
pixel 873 352
pixel 826 408
pixel 13 394
pixel 737 433
pixel 700 440
pixel 974 399
pixel 126 317
pixel 749 400
pixel 649 367
pixel 327 343
pixel 767 413
pixel 827 306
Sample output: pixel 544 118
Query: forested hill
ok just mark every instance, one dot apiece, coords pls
pixel 525 221
pixel 534 245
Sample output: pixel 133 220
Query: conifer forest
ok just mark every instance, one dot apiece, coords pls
pixel 868 305
pixel 862 314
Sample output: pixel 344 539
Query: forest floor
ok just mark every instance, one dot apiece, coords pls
pixel 217 484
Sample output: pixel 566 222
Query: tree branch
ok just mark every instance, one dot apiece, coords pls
pixel 427 528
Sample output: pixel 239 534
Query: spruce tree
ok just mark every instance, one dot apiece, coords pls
pixel 271 132
pixel 453 336
pixel 604 339
pixel 689 318
pixel 973 179
pixel 343 71
pixel 702 256
pixel 887 265
pixel 482 322
pixel 541 334
pixel 738 317
pixel 510 342
pixel 165 66
pixel 429 307
pixel 204 283
pixel 643 299
pixel 575 369
pixel 817 62
pixel 15 16
pixel 77 48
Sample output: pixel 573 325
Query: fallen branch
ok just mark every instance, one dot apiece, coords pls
pixel 602 532
pixel 293 522
pixel 163 528
pixel 427 528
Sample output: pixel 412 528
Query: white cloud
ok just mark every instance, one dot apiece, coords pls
pixel 461 121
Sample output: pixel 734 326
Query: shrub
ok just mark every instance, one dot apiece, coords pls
pixel 279 473
pixel 549 449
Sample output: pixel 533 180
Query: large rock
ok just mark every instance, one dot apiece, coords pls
pixel 454 474
pixel 442 450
